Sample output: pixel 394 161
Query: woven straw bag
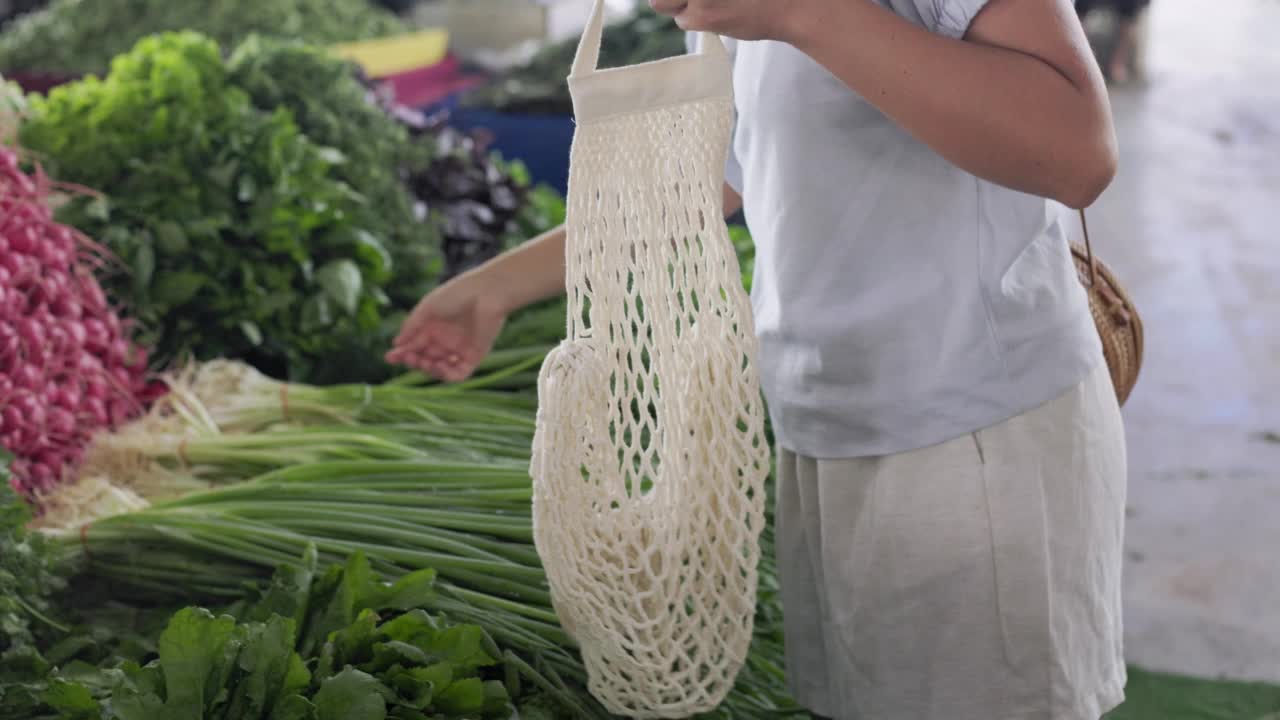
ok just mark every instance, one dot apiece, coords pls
pixel 649 455
pixel 1114 314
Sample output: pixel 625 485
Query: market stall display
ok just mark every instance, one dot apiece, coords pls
pixel 364 550
pixel 75 37
pixel 240 238
pixel 266 206
pixel 410 475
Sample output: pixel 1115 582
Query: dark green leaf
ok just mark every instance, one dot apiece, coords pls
pixel 352 695
pixel 170 238
pixel 391 653
pixel 316 314
pixel 144 265
pixel 415 627
pixel 354 644
pixel 98 209
pixel 462 696
pixel 176 288
pixel 289 591
pixel 221 175
pixel 294 707
pixel 496 699
pixel 246 189
pixel 129 705
pixel 438 675
pixel 416 686
pixel 251 332
pixel 73 701
pixel 463 645
pixel 373 254
pixel 411 591
pixel 266 659
pixel 137 694
pixel 342 281
pixel 196 654
pixel 333 156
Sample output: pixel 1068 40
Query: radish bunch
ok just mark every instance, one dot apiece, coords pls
pixel 67 367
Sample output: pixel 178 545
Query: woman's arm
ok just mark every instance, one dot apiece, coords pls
pixel 732 201
pixel 1019 101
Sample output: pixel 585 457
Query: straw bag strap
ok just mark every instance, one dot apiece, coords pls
pixel 1088 249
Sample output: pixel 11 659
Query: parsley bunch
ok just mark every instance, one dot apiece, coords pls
pixel 28 585
pixel 238 235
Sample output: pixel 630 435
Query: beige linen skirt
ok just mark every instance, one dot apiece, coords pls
pixel 978 579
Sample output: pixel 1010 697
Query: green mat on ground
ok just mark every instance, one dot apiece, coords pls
pixel 1156 696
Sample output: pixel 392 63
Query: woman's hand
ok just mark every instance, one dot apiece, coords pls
pixel 451 330
pixel 741 19
pixel 454 327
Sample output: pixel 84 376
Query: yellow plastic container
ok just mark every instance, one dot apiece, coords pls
pixel 388 56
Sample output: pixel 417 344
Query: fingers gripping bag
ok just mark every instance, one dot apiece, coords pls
pixel 650 458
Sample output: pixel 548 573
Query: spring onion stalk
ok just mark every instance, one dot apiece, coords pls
pixel 413 474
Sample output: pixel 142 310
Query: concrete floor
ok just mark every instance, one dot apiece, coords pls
pixel 1192 226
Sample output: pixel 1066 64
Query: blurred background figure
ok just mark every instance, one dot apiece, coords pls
pixel 1121 55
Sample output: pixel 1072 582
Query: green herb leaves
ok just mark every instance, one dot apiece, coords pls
pixel 238 234
pixel 333 646
pixel 28 582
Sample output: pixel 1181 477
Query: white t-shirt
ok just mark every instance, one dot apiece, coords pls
pixel 900 301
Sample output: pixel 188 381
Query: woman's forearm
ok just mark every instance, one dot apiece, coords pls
pixel 732 201
pixel 991 104
pixel 529 273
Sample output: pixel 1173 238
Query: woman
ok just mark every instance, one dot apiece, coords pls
pixel 951 465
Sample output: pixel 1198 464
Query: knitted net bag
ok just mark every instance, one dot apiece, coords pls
pixel 650 456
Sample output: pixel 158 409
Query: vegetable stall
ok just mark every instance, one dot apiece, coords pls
pixel 217 500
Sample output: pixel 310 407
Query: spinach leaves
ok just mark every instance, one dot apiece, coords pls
pixel 336 645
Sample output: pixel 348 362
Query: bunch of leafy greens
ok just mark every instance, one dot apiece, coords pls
pixel 335 109
pixel 239 237
pixel 334 645
pixel 82 36
pixel 28 586
pixel 439 200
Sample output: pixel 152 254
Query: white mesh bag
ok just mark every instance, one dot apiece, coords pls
pixel 650 457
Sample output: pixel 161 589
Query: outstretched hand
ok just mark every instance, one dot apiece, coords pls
pixel 450 331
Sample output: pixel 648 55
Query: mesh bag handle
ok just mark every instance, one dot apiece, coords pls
pixel 587 60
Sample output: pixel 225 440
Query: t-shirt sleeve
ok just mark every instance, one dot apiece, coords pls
pixel 732 168
pixel 950 17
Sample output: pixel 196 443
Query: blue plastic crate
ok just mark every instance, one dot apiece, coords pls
pixel 541 142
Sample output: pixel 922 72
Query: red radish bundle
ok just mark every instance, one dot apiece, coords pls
pixel 67 367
